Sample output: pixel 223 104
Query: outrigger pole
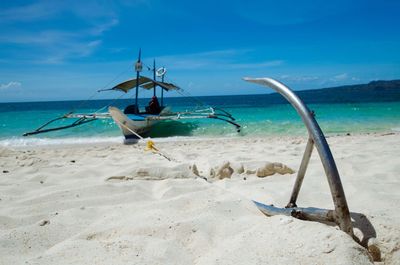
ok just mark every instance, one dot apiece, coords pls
pixel 162 91
pixel 138 69
pixel 154 77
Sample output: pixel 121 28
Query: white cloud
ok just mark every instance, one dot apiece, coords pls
pixel 343 77
pixel 71 49
pixel 37 11
pixel 272 63
pixel 221 53
pixel 230 59
pixel 47 9
pixel 101 28
pixel 10 85
pixel 340 77
pixel 41 38
pixel 57 45
pixel 299 79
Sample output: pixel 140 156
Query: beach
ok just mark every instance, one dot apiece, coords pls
pixel 119 148
pixel 109 203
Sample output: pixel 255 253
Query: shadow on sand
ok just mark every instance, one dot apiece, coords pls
pixel 367 238
pixel 364 234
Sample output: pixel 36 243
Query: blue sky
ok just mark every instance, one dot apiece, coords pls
pixel 62 50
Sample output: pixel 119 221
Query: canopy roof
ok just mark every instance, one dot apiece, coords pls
pixel 145 83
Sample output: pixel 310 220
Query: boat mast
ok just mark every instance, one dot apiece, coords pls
pixel 154 77
pixel 138 69
pixel 162 92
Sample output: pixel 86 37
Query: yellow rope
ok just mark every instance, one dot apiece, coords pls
pixel 150 146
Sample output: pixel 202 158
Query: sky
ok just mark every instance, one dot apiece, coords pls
pixel 66 50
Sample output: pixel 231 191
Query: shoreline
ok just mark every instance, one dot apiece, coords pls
pixel 117 140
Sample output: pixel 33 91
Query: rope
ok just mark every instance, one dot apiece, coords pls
pixel 150 146
pixel 184 93
pixel 106 106
pixel 198 102
pixel 97 91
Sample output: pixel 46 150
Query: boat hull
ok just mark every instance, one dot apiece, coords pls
pixel 133 127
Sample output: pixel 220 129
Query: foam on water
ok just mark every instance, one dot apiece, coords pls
pixel 23 141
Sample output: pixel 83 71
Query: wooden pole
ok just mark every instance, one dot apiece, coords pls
pixel 138 68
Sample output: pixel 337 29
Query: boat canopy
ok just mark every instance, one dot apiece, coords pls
pixel 145 83
pixel 166 86
pixel 127 85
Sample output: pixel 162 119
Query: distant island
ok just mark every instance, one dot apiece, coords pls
pixel 375 91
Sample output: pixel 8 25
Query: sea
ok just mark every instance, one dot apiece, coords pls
pixel 259 115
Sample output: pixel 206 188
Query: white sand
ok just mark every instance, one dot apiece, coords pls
pixel 116 204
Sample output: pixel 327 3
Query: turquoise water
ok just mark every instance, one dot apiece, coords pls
pixel 258 117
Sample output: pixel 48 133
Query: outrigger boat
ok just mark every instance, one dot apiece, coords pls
pixel 134 122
